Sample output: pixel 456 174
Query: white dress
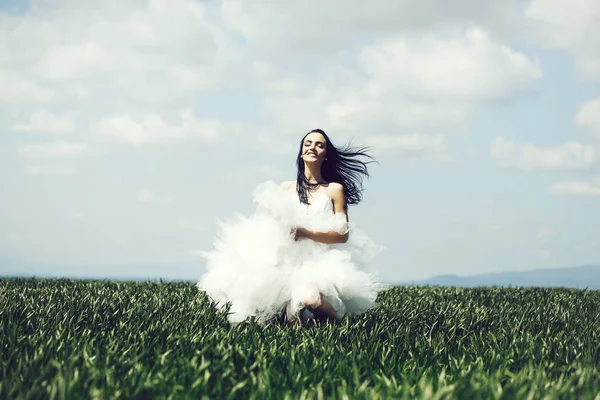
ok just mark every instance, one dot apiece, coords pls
pixel 258 267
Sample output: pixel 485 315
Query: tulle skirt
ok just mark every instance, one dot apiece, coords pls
pixel 259 269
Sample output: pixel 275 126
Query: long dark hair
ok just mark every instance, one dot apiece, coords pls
pixel 341 166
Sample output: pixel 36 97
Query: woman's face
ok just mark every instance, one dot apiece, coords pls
pixel 314 148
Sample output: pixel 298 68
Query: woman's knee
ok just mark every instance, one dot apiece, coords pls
pixel 313 301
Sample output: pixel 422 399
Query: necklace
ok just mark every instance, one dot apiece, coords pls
pixel 314 186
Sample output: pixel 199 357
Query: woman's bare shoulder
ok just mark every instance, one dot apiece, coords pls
pixel 334 188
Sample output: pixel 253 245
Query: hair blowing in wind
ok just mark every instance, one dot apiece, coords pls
pixel 343 165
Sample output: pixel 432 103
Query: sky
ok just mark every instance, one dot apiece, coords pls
pixel 128 129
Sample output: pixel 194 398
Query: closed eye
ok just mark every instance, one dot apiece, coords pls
pixel 320 144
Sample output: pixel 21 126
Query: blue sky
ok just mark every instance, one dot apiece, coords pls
pixel 129 128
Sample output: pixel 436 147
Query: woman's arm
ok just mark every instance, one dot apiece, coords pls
pixel 323 237
pixel 336 193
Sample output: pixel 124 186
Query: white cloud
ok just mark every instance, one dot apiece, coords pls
pixel 154 129
pixel 588 116
pixel 569 156
pixel 145 196
pixel 43 121
pixel 186 224
pixel 410 146
pixel 546 232
pixel 153 51
pixel 285 30
pixel 576 188
pixel 572 26
pixel 253 175
pixel 77 216
pixel 402 85
pixel 149 196
pixel 544 254
pixel 468 67
pixel 125 66
pixel 153 57
pixel 49 169
pixel 53 150
pixel 19 90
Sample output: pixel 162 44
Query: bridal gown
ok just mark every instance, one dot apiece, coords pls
pixel 258 267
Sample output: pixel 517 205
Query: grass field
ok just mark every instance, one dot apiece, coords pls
pixel 85 339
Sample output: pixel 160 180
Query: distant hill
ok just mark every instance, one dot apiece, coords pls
pixel 582 277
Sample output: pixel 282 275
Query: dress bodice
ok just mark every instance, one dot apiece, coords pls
pixel 285 205
pixel 320 202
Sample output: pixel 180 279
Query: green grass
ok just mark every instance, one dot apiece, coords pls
pixel 84 339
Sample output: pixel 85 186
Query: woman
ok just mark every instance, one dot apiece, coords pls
pixel 298 257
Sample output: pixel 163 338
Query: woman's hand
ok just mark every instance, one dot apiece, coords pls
pixel 294 232
pixel 300 233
